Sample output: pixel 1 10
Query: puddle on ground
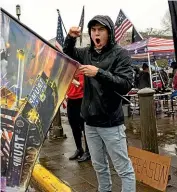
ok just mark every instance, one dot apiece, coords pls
pixel 172 149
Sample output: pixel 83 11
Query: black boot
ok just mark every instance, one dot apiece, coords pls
pixel 78 153
pixel 85 157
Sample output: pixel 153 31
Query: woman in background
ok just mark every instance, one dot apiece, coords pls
pixel 75 95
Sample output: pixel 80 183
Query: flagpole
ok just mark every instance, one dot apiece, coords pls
pixel 62 21
pixel 81 23
pixel 159 73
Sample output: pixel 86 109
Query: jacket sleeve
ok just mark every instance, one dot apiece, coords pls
pixel 73 52
pixel 120 79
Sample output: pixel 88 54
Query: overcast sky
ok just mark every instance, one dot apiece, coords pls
pixel 41 15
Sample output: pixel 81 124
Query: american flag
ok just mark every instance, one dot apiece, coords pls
pixel 59 38
pixel 121 26
pixel 81 24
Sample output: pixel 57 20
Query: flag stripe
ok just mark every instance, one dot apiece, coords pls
pixel 118 30
pixel 120 34
pixel 122 25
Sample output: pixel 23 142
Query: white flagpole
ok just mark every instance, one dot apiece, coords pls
pixel 150 72
pixel 159 73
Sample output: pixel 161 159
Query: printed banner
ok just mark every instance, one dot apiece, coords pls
pixel 34 79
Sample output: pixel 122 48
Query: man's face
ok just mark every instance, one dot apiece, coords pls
pixel 99 35
pixel 146 69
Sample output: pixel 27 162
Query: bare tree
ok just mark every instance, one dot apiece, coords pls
pixel 153 33
pixel 164 32
pixel 166 23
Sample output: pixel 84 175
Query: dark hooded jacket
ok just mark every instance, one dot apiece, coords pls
pixel 101 105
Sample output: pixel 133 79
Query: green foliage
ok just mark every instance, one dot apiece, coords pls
pixel 162 63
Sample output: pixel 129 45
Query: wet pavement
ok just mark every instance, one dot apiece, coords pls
pixel 81 176
pixel 166 129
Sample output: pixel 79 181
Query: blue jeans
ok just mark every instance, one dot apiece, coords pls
pixel 112 139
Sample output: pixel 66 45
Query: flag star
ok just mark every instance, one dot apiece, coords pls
pixel 120 17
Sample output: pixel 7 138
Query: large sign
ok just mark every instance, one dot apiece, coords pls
pixel 150 168
pixel 34 79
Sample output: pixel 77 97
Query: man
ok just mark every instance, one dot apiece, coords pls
pixel 164 78
pixel 107 70
pixel 144 79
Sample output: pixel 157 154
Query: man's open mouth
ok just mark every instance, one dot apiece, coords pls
pixel 97 41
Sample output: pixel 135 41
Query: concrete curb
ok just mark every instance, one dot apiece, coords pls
pixel 46 181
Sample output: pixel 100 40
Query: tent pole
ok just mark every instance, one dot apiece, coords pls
pixel 159 73
pixel 150 72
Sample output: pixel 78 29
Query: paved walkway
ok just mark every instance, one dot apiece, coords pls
pixel 81 176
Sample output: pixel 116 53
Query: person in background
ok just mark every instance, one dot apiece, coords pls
pixel 144 78
pixel 174 66
pixel 75 95
pixel 174 75
pixel 164 78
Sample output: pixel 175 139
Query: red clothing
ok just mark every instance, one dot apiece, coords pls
pixel 175 81
pixel 75 92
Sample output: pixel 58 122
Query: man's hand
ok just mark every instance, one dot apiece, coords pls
pixel 75 31
pixel 76 83
pixel 89 70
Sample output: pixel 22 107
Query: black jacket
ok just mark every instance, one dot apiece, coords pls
pixel 101 106
pixel 144 80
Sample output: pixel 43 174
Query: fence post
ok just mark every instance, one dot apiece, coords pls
pixel 148 120
pixel 57 126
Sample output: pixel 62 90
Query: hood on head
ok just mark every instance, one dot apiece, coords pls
pixel 108 23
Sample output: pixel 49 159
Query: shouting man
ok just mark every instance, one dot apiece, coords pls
pixel 108 74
